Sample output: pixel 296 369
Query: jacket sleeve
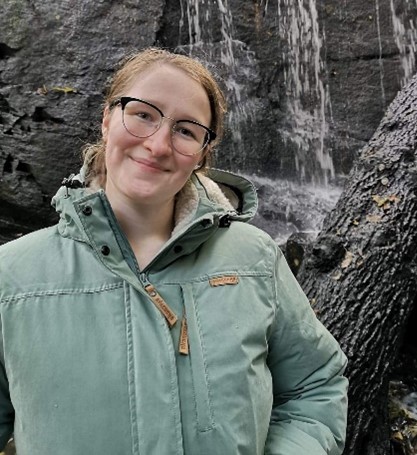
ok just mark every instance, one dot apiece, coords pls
pixel 310 392
pixel 6 408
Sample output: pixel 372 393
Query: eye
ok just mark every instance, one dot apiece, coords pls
pixel 190 131
pixel 145 116
pixel 185 132
pixel 142 112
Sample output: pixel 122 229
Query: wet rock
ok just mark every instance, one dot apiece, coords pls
pixel 403 418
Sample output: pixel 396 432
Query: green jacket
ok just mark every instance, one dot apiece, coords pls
pixel 212 349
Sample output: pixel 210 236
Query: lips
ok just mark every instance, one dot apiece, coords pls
pixel 150 165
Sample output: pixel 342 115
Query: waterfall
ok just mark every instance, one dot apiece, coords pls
pixel 307 99
pixel 209 33
pixel 206 31
pixel 381 65
pixel 238 66
pixel 405 36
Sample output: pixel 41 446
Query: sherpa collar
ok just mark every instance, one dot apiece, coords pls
pixel 187 201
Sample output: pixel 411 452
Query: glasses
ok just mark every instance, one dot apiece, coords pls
pixel 142 119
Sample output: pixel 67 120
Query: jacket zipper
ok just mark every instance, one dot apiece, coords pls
pixel 158 301
pixel 168 314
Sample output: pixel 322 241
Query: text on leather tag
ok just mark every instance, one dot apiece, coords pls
pixel 224 280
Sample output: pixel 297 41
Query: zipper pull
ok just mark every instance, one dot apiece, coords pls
pixel 160 303
pixel 183 345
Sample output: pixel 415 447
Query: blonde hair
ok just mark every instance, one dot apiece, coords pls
pixel 129 69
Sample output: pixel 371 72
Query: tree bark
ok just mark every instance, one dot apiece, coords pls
pixel 360 273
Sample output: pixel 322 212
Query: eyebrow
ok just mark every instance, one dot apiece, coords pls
pixel 188 117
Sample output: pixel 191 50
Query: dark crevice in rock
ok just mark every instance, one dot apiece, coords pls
pixel 8 165
pixel 6 51
pixel 161 24
pixel 41 115
pixel 23 167
pixel 4 105
pixel 167 32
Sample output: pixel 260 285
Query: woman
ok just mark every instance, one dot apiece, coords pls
pixel 152 319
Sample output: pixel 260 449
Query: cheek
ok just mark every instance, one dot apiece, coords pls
pixel 114 155
pixel 118 144
pixel 187 164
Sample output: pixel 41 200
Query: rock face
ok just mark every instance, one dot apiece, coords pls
pixel 307 83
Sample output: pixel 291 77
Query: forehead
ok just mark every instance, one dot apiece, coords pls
pixel 172 90
pixel 164 76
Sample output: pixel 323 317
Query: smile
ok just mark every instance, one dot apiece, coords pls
pixel 148 165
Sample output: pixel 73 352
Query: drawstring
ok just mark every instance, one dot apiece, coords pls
pixel 71 182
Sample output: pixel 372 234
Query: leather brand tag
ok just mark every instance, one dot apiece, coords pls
pixel 184 347
pixel 224 280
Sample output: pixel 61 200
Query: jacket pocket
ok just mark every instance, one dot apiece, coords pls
pixel 201 382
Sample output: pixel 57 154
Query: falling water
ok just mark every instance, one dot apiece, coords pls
pixel 381 65
pixel 238 63
pixel 297 23
pixel 405 36
pixel 287 206
pixel 307 126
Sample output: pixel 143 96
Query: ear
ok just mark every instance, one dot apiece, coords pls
pixel 203 160
pixel 206 153
pixel 105 122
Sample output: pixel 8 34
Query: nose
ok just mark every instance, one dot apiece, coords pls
pixel 160 143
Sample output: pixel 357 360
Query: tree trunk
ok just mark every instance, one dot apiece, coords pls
pixel 360 273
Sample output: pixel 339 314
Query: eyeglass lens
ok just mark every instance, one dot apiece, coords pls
pixel 143 120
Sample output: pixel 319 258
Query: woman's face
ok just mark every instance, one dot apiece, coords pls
pixel 148 170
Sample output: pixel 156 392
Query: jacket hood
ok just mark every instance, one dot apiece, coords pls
pixel 219 192
pixel 207 202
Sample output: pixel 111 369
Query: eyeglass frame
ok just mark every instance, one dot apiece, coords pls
pixel 123 100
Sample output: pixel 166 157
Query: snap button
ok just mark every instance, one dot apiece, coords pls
pixel 177 249
pixel 87 210
pixel 105 250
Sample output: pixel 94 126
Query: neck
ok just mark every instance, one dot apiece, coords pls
pixel 147 227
